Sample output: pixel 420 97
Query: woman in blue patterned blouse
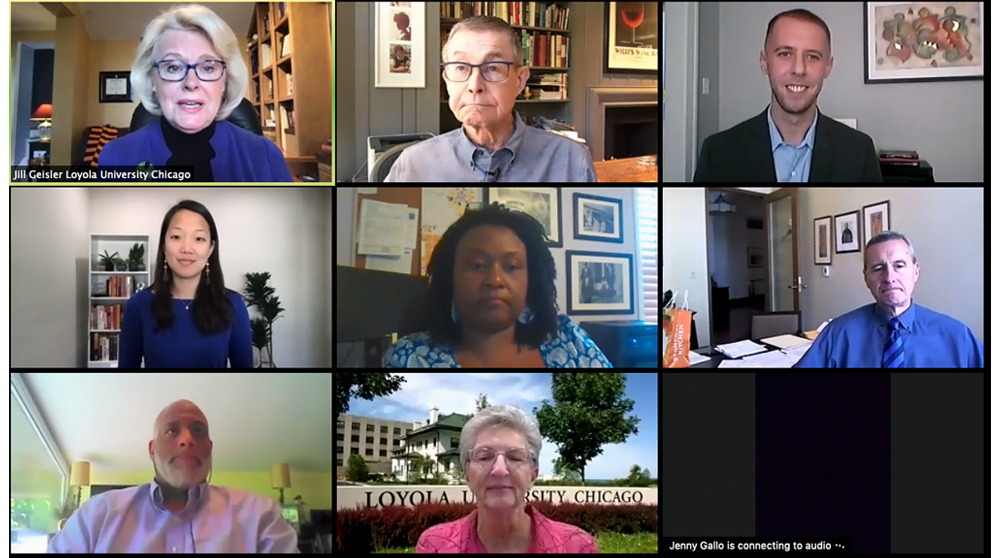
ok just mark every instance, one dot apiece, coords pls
pixel 491 301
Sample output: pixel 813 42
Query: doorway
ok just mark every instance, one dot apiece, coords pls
pixel 752 263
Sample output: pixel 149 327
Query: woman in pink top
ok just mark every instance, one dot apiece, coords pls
pixel 500 448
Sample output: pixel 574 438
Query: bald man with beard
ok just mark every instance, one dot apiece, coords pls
pixel 178 511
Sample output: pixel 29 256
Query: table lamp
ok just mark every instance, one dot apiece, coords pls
pixel 280 479
pixel 44 113
pixel 79 477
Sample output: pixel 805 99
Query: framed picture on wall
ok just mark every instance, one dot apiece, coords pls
pixel 544 204
pixel 598 218
pixel 755 256
pixel 875 220
pixel 400 54
pixel 599 283
pixel 908 42
pixel 846 227
pixel 116 87
pixel 823 240
pixel 631 37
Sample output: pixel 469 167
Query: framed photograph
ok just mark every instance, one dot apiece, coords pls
pixel 115 87
pixel 597 218
pixel 875 220
pixel 846 227
pixel 599 283
pixel 755 257
pixel 400 53
pixel 544 204
pixel 631 37
pixel 909 42
pixel 823 240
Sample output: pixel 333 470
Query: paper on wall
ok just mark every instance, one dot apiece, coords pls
pixel 441 208
pixel 383 228
pixel 394 264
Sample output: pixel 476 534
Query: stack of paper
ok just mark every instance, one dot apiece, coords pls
pixel 740 349
pixel 774 359
pixel 696 358
pixel 786 341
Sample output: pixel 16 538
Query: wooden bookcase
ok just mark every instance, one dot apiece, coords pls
pixel 300 82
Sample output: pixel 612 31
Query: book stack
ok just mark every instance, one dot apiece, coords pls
pixel 103 346
pixel 900 158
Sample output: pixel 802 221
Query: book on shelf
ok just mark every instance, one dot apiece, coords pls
pixel 103 346
pixel 525 14
pixel 286 45
pixel 281 10
pixel 106 316
pixel 288 84
pixel 265 53
pixel 119 286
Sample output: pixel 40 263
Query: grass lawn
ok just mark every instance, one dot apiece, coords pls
pixel 609 543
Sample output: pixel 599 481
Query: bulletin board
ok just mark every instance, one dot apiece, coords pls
pixel 445 205
pixel 411 197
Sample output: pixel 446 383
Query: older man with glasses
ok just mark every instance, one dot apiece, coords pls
pixel 484 70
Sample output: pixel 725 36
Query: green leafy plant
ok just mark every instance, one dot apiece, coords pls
pixel 108 260
pixel 258 294
pixel 136 252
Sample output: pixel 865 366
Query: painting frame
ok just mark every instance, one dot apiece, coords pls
pixel 755 256
pixel 504 195
pixel 400 45
pixel 613 207
pixel 109 85
pixel 619 62
pixel 823 238
pixel 841 242
pixel 874 42
pixel 580 283
pixel 868 219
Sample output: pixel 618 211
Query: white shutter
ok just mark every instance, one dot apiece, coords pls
pixel 647 235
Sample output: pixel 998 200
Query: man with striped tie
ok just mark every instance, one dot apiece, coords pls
pixel 894 332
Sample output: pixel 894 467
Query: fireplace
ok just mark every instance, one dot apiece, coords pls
pixel 623 122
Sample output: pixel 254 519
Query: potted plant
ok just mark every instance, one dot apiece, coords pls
pixel 121 265
pixel 108 261
pixel 258 294
pixel 135 258
pixel 63 512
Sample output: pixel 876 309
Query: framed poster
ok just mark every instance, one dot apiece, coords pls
pixel 823 240
pixel 909 42
pixel 631 37
pixel 597 218
pixel 875 220
pixel 755 256
pixel 846 227
pixel 544 204
pixel 599 283
pixel 400 54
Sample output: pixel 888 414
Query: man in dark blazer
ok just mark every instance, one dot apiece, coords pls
pixel 791 141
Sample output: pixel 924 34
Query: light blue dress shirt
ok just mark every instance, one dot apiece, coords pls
pixel 530 155
pixel 216 519
pixel 792 163
pixel 930 340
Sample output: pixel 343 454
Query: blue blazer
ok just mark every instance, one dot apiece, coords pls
pixel 240 156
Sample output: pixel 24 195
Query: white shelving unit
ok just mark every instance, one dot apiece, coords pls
pixel 99 243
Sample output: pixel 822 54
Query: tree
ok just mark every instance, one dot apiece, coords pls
pixel 638 477
pixel 357 469
pixel 364 385
pixel 481 402
pixel 587 412
pixel 565 471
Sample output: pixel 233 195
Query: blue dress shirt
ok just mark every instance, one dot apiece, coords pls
pixel 930 340
pixel 792 163
pixel 216 519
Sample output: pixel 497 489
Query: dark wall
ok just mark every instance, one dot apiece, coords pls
pixel 43 75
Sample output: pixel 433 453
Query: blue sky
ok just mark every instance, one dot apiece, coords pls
pixel 457 393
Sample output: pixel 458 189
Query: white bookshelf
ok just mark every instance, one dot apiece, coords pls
pixel 130 283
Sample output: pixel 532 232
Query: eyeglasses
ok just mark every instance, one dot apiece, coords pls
pixel 486 457
pixel 493 71
pixel 175 70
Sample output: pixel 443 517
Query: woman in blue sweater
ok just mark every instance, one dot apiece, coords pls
pixel 186 318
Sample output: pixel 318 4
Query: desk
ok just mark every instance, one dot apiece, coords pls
pixel 625 170
pixel 718 357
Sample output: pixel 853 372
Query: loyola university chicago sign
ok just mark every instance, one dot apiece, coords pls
pixel 411 497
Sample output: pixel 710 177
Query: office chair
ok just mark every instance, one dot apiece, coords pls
pixel 245 116
pixel 775 323
pixel 380 170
